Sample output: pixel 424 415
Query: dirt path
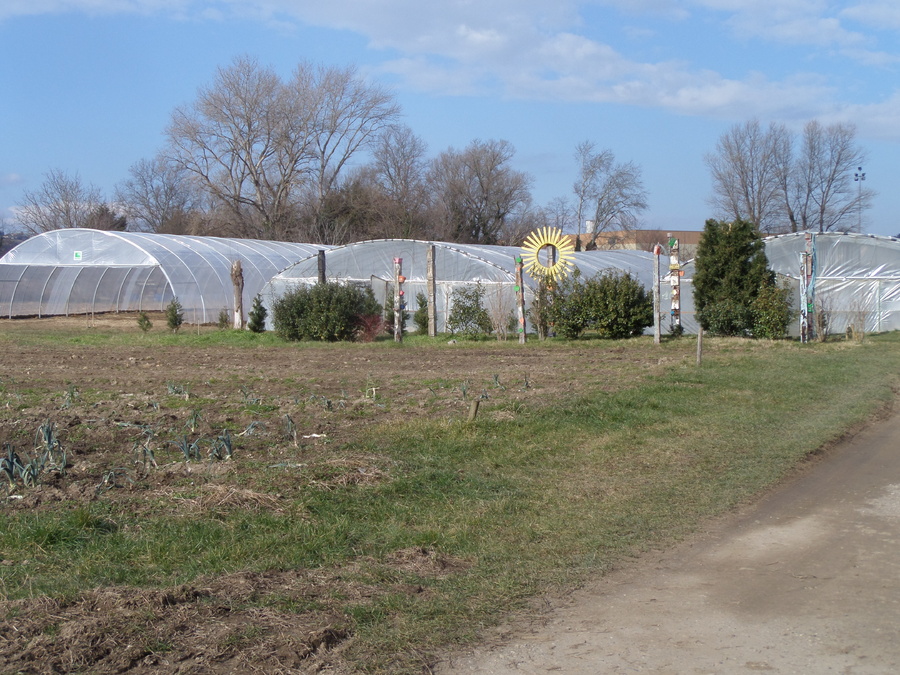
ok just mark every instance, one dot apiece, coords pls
pixel 806 581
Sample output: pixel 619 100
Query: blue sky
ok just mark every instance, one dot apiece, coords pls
pixel 88 86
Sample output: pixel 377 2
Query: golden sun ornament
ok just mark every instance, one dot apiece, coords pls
pixel 548 253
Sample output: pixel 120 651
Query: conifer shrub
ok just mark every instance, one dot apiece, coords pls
pixel 256 322
pixel 731 268
pixel 174 315
pixel 329 312
pixel 420 316
pixel 144 322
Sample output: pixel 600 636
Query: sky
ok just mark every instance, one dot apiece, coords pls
pixel 89 86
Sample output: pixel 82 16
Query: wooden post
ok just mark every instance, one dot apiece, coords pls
pixel 656 327
pixel 699 345
pixel 237 279
pixel 398 300
pixel 431 291
pixel 473 409
pixel 321 261
pixel 520 299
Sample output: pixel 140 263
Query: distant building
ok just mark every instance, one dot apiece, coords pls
pixel 640 240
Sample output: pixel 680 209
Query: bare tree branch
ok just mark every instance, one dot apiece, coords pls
pixel 62 201
pixel 476 190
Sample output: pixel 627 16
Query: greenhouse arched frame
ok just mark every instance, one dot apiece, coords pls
pixel 84 271
pixel 371 264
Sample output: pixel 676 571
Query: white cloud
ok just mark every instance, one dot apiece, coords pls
pixel 11 179
pixel 543 49
pixel 879 121
pixel 881 14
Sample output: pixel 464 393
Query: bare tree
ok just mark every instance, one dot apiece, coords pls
pixel 241 143
pixel 522 221
pixel 747 172
pixel 621 199
pixel 349 115
pixel 159 197
pixel 399 168
pixel 828 199
pixel 560 213
pixel 476 190
pixel 62 201
pixel 268 151
pixel 611 195
pixel 592 167
pixel 761 177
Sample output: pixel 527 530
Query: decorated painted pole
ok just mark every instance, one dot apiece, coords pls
pixel 399 299
pixel 807 290
pixel 675 273
pixel 520 300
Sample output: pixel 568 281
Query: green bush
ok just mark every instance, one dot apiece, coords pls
pixel 613 304
pixel 468 317
pixel 772 313
pixel 622 307
pixel 726 317
pixel 328 312
pixel 257 316
pixel 174 315
pixel 565 309
pixel 420 316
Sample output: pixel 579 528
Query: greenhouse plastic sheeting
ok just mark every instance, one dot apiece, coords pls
pixel 80 271
pixel 857 279
pixel 371 263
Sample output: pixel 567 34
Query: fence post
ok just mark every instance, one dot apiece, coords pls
pixel 700 345
pixel 237 279
pixel 321 260
pixel 520 299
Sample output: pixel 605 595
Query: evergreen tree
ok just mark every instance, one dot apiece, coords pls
pixel 731 267
pixel 257 316
pixel 144 322
pixel 174 315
